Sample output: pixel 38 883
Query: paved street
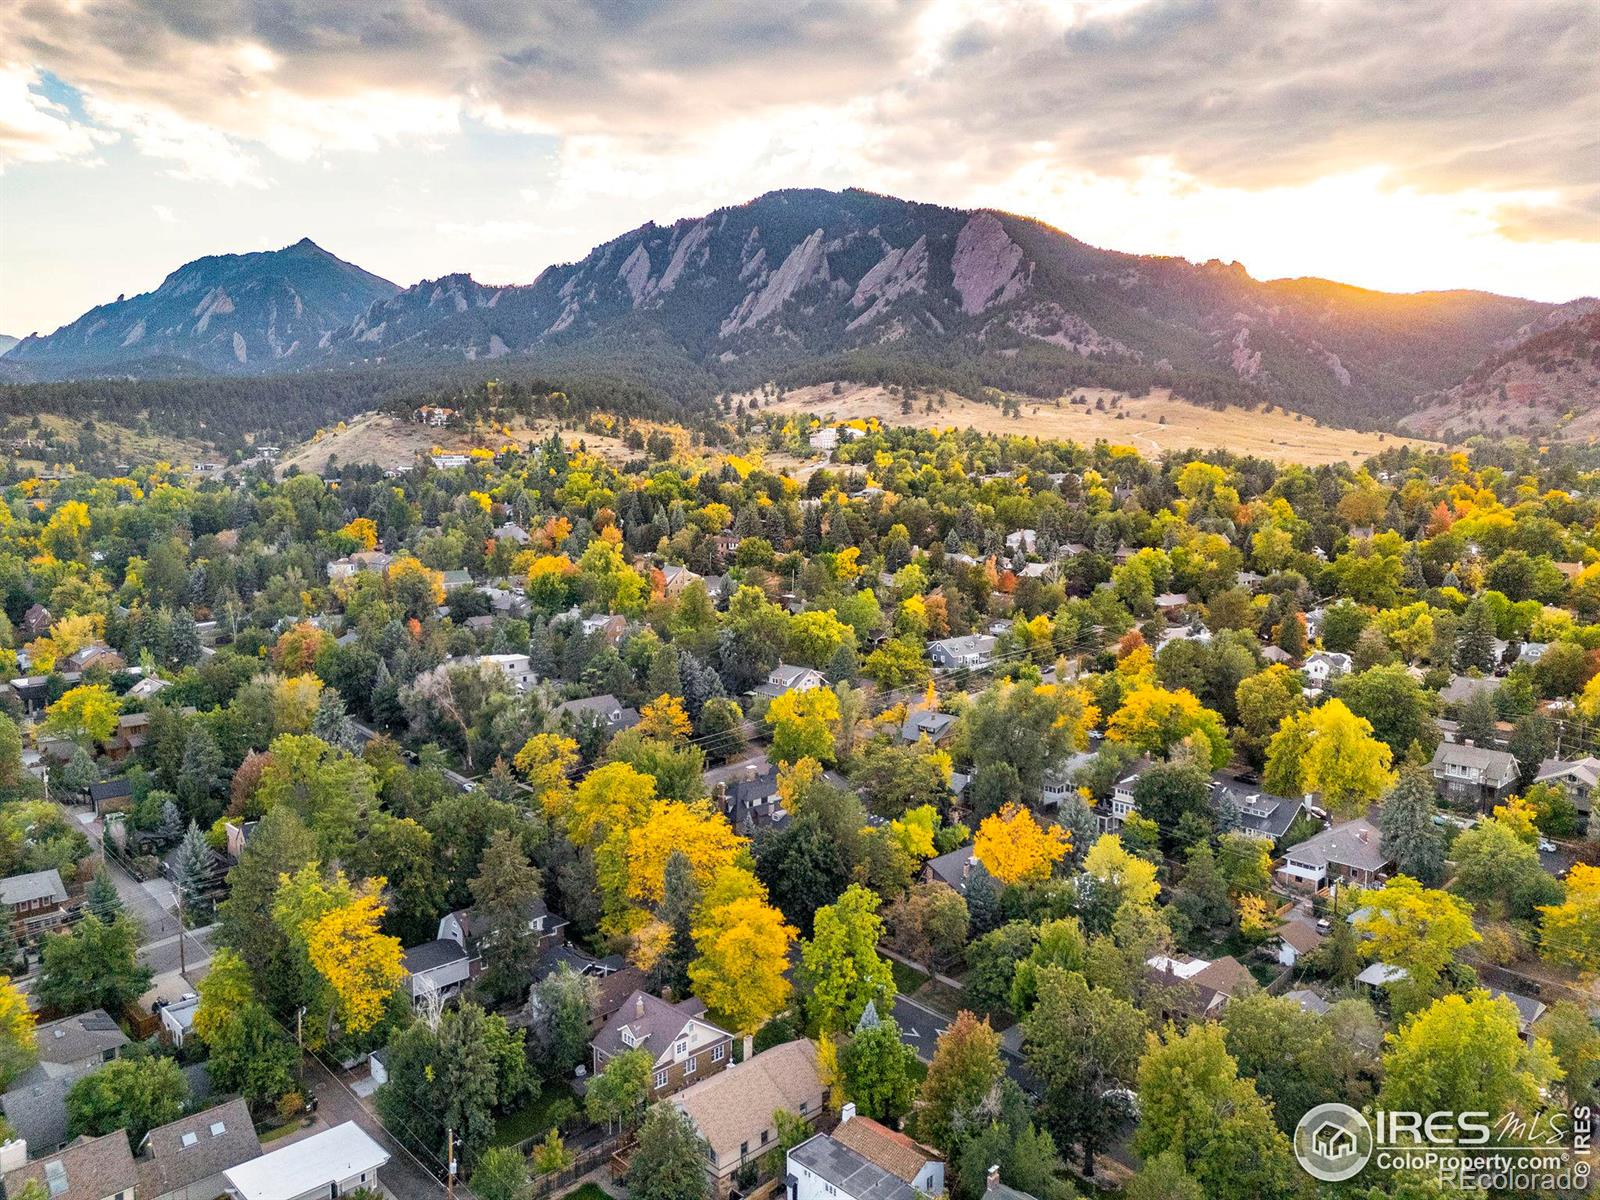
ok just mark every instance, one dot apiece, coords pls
pixel 404 1177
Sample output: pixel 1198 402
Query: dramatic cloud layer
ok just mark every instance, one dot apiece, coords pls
pixel 1483 124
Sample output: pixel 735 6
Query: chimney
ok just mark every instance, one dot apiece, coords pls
pixel 638 1005
pixel 13 1154
pixel 993 1180
pixel 847 1111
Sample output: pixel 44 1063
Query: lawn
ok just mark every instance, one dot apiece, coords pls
pixel 588 1191
pixel 906 979
pixel 533 1119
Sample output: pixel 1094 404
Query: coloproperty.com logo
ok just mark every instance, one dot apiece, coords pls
pixel 1334 1142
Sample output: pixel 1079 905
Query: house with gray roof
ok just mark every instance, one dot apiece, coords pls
pixel 785 677
pixel 684 1046
pixel 1579 777
pixel 1462 688
pixel 1349 851
pixel 973 650
pixel 34 901
pixel 605 711
pixel 958 868
pixel 35 1106
pixel 935 726
pixel 185 1159
pixel 1250 809
pixel 99 1168
pixel 1472 774
pixel 863 1160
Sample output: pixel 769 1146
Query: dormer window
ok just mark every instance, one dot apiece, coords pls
pixel 627 1037
pixel 682 1048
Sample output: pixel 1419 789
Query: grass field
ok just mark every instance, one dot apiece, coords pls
pixel 533 1119
pixel 1154 425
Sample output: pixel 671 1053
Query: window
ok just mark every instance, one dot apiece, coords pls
pixel 803 1106
pixel 690 1066
pixel 218 1129
pixel 744 1148
pixel 189 1139
pixel 763 1137
pixel 718 1052
pixel 683 1047
pixel 661 1079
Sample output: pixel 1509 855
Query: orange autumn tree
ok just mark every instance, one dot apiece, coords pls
pixel 1015 848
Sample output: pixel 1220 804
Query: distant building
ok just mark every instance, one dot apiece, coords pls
pixel 788 678
pixel 863 1160
pixel 34 902
pixel 324 1166
pixel 1322 667
pixel 684 1046
pixel 973 650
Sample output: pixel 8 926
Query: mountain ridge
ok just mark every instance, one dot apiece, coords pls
pixel 799 281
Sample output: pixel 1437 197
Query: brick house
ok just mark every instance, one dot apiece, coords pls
pixel 683 1045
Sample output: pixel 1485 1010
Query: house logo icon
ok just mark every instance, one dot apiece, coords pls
pixel 1333 1142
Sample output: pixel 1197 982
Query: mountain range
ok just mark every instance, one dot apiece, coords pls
pixel 810 284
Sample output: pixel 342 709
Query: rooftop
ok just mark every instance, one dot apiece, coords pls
pixel 340 1153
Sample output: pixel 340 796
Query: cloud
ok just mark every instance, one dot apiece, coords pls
pixel 34 128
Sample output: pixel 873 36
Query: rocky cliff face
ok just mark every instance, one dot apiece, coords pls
pixel 797 279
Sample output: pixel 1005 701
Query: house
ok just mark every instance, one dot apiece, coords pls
pixel 675 578
pixel 440 967
pixel 1579 776
pixel 935 726
pixel 1297 937
pixel 515 667
pixel 1025 540
pixel 786 678
pixel 451 580
pixel 1245 808
pixel 1473 774
pixel 958 868
pixel 605 711
pixel 177 1018
pixel 862 1160
pixel 735 1111
pixel 1349 851
pixel 1322 667
pixel 355 564
pixel 1532 652
pixel 435 416
pixel 1462 688
pixel 1058 779
pixel 446 462
pixel 68 1049
pixel 1172 604
pixel 1194 987
pixel 148 687
pixel 609 627
pixel 34 901
pixel 1529 1010
pixel 511 531
pixel 130 734
pixel 1379 975
pixel 684 1046
pixel 1308 1001
pixel 323 1166
pixel 108 792
pixel 36 623
pixel 99 1168
pixel 1120 807
pixel 747 793
pixel 973 650
pixel 89 657
pixel 453 958
pixel 185 1159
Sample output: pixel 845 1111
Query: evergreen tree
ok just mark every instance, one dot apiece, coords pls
pixel 1477 718
pixel 505 892
pixel 101 897
pixel 1475 641
pixel 183 639
pixel 1409 836
pixel 193 867
pixel 680 898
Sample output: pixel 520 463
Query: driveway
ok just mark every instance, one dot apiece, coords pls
pixel 404 1176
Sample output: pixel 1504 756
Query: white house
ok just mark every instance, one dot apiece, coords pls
pixel 974 650
pixel 1323 666
pixel 515 667
pixel 863 1160
pixel 323 1166
pixel 177 1018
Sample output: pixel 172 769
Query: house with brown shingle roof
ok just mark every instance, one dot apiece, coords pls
pixel 863 1160
pixel 99 1168
pixel 684 1046
pixel 185 1159
pixel 735 1112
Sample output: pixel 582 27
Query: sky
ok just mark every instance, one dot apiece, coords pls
pixel 1396 144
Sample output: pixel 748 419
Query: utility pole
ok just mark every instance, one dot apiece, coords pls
pixel 183 961
pixel 450 1174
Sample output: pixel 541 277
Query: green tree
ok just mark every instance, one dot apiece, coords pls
pixel 1409 836
pixel 502 1174
pixel 670 1161
pixel 1290 1053
pixel 95 965
pixel 618 1092
pixel 1164 1178
pixel 505 893
pixel 1393 703
pixel 330 790
pixel 1193 1102
pixel 964 1071
pixel 1475 638
pixel 135 1094
pixel 1464 1053
pixel 559 1008
pixel 101 896
pixel 280 845
pixel 1081 1042
pixel 842 965
pixel 880 1072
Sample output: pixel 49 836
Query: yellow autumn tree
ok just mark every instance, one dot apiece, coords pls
pixel 803 724
pixel 743 945
pixel 363 531
pixel 1517 815
pixel 17 1048
pixel 361 964
pixel 1255 923
pixel 631 863
pixel 1570 931
pixel 66 637
pixel 915 831
pixel 1015 848
pixel 665 718
pixel 610 797
pixel 86 713
pixel 65 534
pixel 547 761
pixel 1127 877
pixel 1153 720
